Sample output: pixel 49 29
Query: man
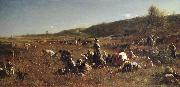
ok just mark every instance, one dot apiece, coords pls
pixel 172 48
pixel 97 53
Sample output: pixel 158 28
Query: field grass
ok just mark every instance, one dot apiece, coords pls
pixel 41 69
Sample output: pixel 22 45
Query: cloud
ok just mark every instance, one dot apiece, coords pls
pixel 51 28
pixel 129 15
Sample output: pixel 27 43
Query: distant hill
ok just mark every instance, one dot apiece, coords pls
pixel 134 26
pixel 156 22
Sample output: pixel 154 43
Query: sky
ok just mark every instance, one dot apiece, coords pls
pixel 19 17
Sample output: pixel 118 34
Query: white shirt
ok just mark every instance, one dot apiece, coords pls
pixel 124 56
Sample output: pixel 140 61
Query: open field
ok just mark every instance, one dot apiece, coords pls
pixel 41 69
pixel 89 43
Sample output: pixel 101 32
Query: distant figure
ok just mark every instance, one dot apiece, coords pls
pixel 97 58
pixel 97 53
pixel 172 48
pixel 150 40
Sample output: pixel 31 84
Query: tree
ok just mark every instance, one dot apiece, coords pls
pixel 155 12
pixel 156 19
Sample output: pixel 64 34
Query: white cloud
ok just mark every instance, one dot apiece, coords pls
pixel 51 26
pixel 128 15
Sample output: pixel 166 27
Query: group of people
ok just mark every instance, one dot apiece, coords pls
pixel 172 47
pixel 80 66
pixel 94 59
pixel 91 59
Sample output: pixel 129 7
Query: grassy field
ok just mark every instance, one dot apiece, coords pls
pixel 41 68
